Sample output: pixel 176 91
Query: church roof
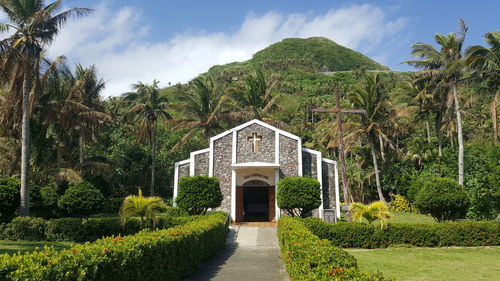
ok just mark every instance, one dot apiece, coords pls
pixel 259 122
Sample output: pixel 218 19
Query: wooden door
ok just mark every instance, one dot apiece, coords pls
pixel 239 203
pixel 271 205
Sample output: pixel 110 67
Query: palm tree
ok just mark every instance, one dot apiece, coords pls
pixel 375 211
pixel 204 107
pixel 146 208
pixel 446 65
pixel 486 62
pixel 85 90
pixel 35 26
pixel 373 98
pixel 148 105
pixel 257 97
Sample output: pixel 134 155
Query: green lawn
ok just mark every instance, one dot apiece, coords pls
pixel 418 264
pixel 11 247
pixel 406 217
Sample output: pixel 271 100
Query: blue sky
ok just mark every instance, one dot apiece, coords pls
pixel 173 41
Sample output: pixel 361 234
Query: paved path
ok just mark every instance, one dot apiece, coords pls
pixel 251 253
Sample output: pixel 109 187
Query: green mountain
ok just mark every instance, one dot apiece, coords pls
pixel 315 54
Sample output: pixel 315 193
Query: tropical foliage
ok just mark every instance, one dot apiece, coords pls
pixel 375 211
pixel 430 123
pixel 146 208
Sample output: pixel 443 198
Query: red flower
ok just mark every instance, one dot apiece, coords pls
pixel 51 262
pixel 119 238
pixel 172 234
pixel 106 250
pixel 74 251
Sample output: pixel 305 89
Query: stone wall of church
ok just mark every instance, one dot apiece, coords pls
pixel 288 157
pixel 201 163
pixel 328 170
pixel 183 170
pixel 309 165
pixel 267 147
pixel 222 169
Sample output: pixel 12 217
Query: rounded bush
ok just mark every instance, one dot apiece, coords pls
pixel 413 190
pixel 297 196
pixel 197 194
pixel 27 228
pixel 443 199
pixel 81 200
pixel 9 198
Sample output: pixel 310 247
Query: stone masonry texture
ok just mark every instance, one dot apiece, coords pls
pixel 267 145
pixel 328 185
pixel 222 169
pixel 183 171
pixel 201 163
pixel 288 157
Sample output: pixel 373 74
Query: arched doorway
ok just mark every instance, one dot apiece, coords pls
pixel 255 201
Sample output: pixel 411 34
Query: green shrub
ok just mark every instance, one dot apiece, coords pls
pixel 308 257
pixel 413 190
pixel 170 254
pixel 82 230
pixel 297 196
pixel 358 235
pixel 443 199
pixel 9 198
pixel 343 234
pixel 26 228
pixel 175 212
pixel 199 193
pixel 112 205
pixel 81 200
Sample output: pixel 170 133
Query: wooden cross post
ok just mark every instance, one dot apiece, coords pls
pixel 340 133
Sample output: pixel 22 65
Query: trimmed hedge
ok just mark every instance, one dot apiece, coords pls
pixel 169 254
pixel 199 193
pixel 307 257
pixel 360 235
pixel 78 229
pixel 298 196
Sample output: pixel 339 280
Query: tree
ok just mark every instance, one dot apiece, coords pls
pixel 146 208
pixel 148 105
pixel 486 62
pixel 198 193
pixel 446 65
pixel 81 200
pixel 298 196
pixel 204 107
pixel 375 211
pixel 35 26
pixel 257 97
pixel 373 98
pixel 443 199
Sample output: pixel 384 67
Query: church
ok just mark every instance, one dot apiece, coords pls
pixel 249 160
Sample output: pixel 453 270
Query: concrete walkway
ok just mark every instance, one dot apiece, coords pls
pixel 251 253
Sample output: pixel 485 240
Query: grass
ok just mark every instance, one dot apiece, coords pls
pixel 407 217
pixel 11 247
pixel 418 264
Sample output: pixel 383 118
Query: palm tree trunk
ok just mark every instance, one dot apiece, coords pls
pixel 460 137
pixel 375 167
pixel 428 131
pixel 437 128
pixel 81 142
pixel 24 209
pixel 153 160
pixel 381 143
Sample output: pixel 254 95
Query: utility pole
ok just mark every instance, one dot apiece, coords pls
pixel 340 134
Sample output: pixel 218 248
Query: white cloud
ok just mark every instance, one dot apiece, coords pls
pixel 115 42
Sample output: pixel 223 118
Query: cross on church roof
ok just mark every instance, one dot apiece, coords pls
pixel 255 140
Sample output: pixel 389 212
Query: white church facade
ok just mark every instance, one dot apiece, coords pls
pixel 249 160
